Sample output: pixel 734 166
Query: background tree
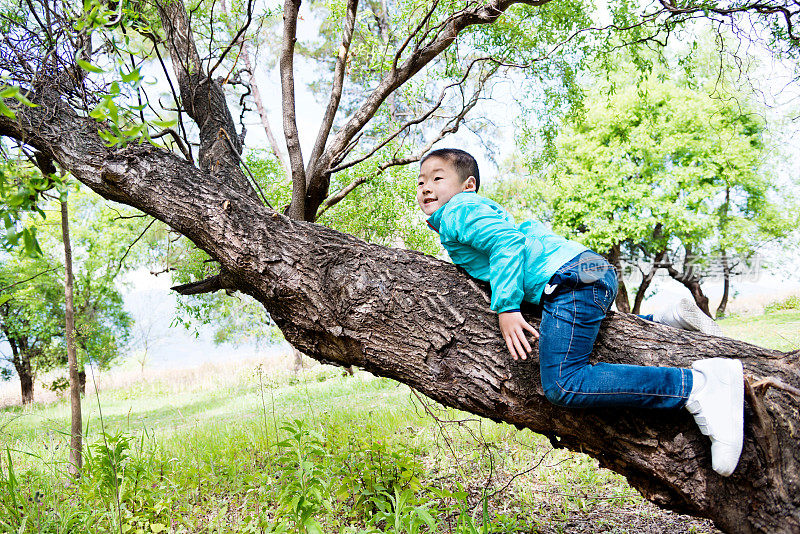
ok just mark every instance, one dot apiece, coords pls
pixel 664 176
pixel 104 246
pixel 31 316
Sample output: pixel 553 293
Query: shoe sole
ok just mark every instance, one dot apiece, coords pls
pixel 735 377
pixel 693 318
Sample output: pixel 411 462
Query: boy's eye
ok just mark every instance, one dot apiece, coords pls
pixel 438 178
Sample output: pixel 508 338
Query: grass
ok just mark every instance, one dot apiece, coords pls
pixel 778 329
pixel 353 454
pixel 250 448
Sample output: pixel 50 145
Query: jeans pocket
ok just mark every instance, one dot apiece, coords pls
pixel 604 291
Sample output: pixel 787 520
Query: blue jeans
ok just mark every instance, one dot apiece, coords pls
pixel 574 304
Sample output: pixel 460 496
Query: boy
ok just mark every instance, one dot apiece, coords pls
pixel 575 288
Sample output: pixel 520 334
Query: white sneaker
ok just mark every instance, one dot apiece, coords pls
pixel 718 408
pixel 686 315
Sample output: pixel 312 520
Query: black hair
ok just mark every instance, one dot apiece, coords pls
pixel 461 160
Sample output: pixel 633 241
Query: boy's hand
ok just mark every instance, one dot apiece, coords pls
pixel 513 326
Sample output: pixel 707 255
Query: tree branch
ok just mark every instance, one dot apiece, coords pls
pixel 450 127
pixel 336 89
pixel 411 122
pixel 206 101
pixel 236 38
pixel 487 13
pixel 262 111
pixel 297 207
pixel 4 289
pixel 207 285
pixel 178 141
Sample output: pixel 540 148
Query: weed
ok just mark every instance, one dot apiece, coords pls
pixel 399 513
pixel 305 492
pixel 791 302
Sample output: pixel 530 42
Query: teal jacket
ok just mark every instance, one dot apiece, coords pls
pixel 516 260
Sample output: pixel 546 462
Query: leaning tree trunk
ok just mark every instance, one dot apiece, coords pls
pixel 614 257
pixel 416 319
pixel 647 279
pixel 726 286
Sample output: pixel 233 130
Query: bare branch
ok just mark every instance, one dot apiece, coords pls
pixel 450 127
pixel 4 289
pixel 177 138
pixel 128 250
pixel 761 8
pixel 174 94
pixel 298 206
pixel 262 111
pixel 256 93
pixel 236 40
pixel 336 88
pixel 413 33
pixel 249 173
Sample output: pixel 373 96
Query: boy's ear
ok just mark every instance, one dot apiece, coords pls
pixel 470 184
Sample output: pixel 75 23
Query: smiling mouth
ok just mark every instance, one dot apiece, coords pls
pixel 428 200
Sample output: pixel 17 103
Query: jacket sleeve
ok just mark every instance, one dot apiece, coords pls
pixel 483 228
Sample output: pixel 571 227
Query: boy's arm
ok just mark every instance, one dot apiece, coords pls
pixel 482 228
pixel 479 226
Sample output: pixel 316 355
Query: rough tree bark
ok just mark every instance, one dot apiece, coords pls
pixel 615 259
pixel 21 359
pixel 339 299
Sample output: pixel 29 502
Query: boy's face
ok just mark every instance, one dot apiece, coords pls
pixel 438 183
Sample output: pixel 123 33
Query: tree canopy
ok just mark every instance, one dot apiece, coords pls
pixel 663 174
pixel 32 313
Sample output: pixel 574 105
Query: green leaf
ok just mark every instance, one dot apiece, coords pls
pixel 99 112
pixel 85 65
pixel 9 91
pixel 32 248
pixel 425 516
pixel 134 76
pixel 312 526
pixel 157 527
pixel 5 298
pixel 164 124
pixel 12 236
pixel 5 110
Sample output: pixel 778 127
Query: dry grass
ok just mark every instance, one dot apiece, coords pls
pixel 204 377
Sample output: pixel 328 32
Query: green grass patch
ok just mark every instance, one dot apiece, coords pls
pixel 778 329
pixel 259 452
